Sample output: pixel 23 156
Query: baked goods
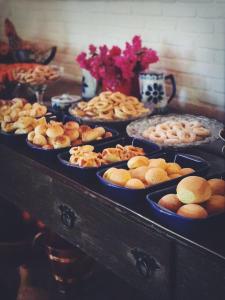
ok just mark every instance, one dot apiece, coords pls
pixel 171 202
pixel 134 183
pixel 217 186
pixel 37 75
pixel 149 171
pixel 186 171
pixel 193 211
pixel 119 176
pixel 84 156
pixel 175 132
pixel 193 189
pixel 215 204
pixel 17 114
pixel 206 201
pixel 110 106
pixel 56 135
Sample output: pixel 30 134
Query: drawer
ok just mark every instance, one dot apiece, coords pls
pixel 122 242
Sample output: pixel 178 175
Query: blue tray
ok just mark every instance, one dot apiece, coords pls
pixel 128 196
pixel 63 157
pixel 180 224
pixel 12 138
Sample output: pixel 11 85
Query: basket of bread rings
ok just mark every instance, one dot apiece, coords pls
pixel 112 108
pixel 176 131
pixel 47 139
pixel 19 117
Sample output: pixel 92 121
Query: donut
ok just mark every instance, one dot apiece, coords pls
pixel 104 96
pixel 158 137
pixel 201 131
pixel 118 97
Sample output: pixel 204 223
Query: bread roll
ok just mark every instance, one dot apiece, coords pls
pixel 172 168
pixel 119 176
pixel 54 131
pixel 61 141
pixel 92 134
pixel 134 183
pixel 107 173
pixel 186 171
pixel 30 136
pixel 158 163
pixel 40 129
pixel 137 161
pixel 71 125
pixel 215 204
pixel 73 134
pixel 193 211
pixel 170 202
pixel 39 140
pixel 156 175
pixel 217 186
pixel 193 189
pixel 139 173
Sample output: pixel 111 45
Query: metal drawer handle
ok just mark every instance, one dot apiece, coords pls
pixel 145 264
pixel 68 217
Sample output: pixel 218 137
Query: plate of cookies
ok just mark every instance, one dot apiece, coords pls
pixel 109 107
pixel 88 159
pixel 174 130
pixel 53 137
pixel 194 205
pixel 132 181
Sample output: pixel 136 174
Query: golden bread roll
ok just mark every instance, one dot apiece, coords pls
pixel 39 140
pixel 139 173
pixel 157 163
pixel 170 202
pixel 40 129
pixel 41 121
pixel 30 136
pixel 215 204
pixel 7 127
pixel 92 134
pixel 175 175
pixel 71 125
pixel 27 106
pixel 61 141
pixel 134 183
pixel 119 176
pixel 217 186
pixel 193 189
pixel 23 130
pixel 23 122
pixel 193 211
pixel 156 175
pixel 137 161
pixel 172 168
pixel 186 171
pixel 54 131
pixel 107 173
pixel 73 134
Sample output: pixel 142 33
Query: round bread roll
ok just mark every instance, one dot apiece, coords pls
pixel 193 189
pixel 175 175
pixel 119 176
pixel 30 136
pixel 158 163
pixel 186 171
pixel 217 186
pixel 139 173
pixel 137 161
pixel 170 202
pixel 172 168
pixel 54 131
pixel 39 140
pixel 40 129
pixel 156 175
pixel 73 134
pixel 71 125
pixel 134 183
pixel 107 173
pixel 215 204
pixel 193 211
pixel 61 141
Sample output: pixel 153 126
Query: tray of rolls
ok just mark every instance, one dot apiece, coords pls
pixel 88 159
pixel 129 182
pixel 196 205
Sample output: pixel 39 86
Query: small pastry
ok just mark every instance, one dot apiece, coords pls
pixel 186 171
pixel 119 177
pixel 71 125
pixel 139 173
pixel 73 134
pixel 137 161
pixel 92 134
pixel 54 131
pixel 215 204
pixel 193 189
pixel 40 129
pixel 30 136
pixel 193 211
pixel 39 140
pixel 172 168
pixel 170 202
pixel 217 186
pixel 156 175
pixel 158 163
pixel 134 183
pixel 61 141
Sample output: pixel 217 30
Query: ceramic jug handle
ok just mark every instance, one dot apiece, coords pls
pixel 174 88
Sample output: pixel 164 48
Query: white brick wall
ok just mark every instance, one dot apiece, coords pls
pixel 188 34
